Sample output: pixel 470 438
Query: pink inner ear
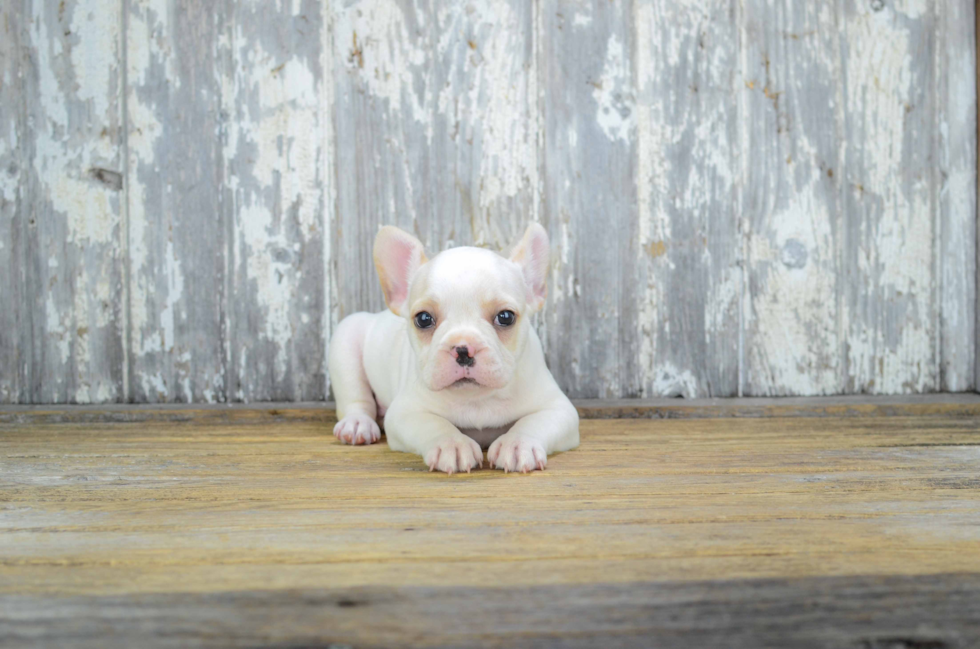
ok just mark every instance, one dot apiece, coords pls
pixel 536 266
pixel 400 264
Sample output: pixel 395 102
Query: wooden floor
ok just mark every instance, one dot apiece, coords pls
pixel 256 528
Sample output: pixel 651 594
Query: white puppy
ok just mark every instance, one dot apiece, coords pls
pixel 456 352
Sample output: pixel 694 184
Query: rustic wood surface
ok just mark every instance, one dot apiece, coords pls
pixel 793 218
pixel 958 257
pixel 752 198
pixel 688 151
pixel 830 531
pixel 923 405
pixel 976 329
pixel 62 201
pixel 923 612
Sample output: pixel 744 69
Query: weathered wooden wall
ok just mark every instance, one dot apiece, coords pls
pixel 757 197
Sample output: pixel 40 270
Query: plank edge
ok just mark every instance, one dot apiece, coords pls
pixel 965 404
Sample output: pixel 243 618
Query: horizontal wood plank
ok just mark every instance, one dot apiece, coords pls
pixel 872 612
pixel 813 531
pixel 946 405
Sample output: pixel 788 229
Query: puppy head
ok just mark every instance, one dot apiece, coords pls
pixel 467 309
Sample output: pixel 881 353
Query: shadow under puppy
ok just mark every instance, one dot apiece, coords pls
pixel 455 352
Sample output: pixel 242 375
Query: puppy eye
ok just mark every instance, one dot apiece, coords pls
pixel 505 318
pixel 424 320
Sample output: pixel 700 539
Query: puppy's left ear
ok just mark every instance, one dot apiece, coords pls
pixel 397 256
pixel 532 254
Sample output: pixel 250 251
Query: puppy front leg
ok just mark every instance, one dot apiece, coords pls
pixel 442 446
pixel 529 442
pixel 356 407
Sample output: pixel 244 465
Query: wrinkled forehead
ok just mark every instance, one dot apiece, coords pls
pixel 460 273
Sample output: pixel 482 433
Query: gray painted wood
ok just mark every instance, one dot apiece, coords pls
pixel 589 202
pixel 177 222
pixel 273 158
pixel 793 147
pixel 66 235
pixel 435 131
pixel 957 126
pixel 890 294
pixel 16 310
pixel 765 198
pixel 227 226
pixel 687 330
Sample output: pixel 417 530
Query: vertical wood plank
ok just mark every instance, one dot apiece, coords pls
pixel 956 131
pixel 73 91
pixel 589 201
pixel 791 205
pixel 688 328
pixel 178 222
pixel 890 289
pixel 16 303
pixel 274 182
pixel 435 130
pixel 844 136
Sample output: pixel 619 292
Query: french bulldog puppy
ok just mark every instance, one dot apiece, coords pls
pixel 455 352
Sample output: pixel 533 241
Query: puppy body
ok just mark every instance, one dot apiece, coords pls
pixel 473 377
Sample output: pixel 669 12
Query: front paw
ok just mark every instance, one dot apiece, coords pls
pixel 454 454
pixel 512 452
pixel 357 428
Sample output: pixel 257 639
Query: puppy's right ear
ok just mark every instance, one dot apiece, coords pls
pixel 397 256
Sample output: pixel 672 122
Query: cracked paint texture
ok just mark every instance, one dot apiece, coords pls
pixel 764 197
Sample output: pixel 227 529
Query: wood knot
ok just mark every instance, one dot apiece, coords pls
pixel 111 179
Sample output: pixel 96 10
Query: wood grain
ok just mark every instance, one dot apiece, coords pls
pixel 793 134
pixel 589 202
pixel 435 129
pixel 935 612
pixel 957 219
pixel 178 221
pixel 69 239
pixel 16 187
pixel 169 531
pixel 274 148
pixel 891 296
pixel 758 198
pixel 931 405
pixel 154 507
pixel 687 329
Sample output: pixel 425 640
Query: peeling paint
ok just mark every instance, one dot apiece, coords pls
pixel 74 206
pixel 839 137
pixel 276 144
pixel 891 324
pixel 670 381
pixel 614 95
pixel 375 40
pixel 795 352
pixel 686 174
pixel 86 207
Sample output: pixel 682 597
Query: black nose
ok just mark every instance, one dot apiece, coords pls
pixel 463 357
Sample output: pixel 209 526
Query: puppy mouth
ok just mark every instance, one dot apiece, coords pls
pixel 459 383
